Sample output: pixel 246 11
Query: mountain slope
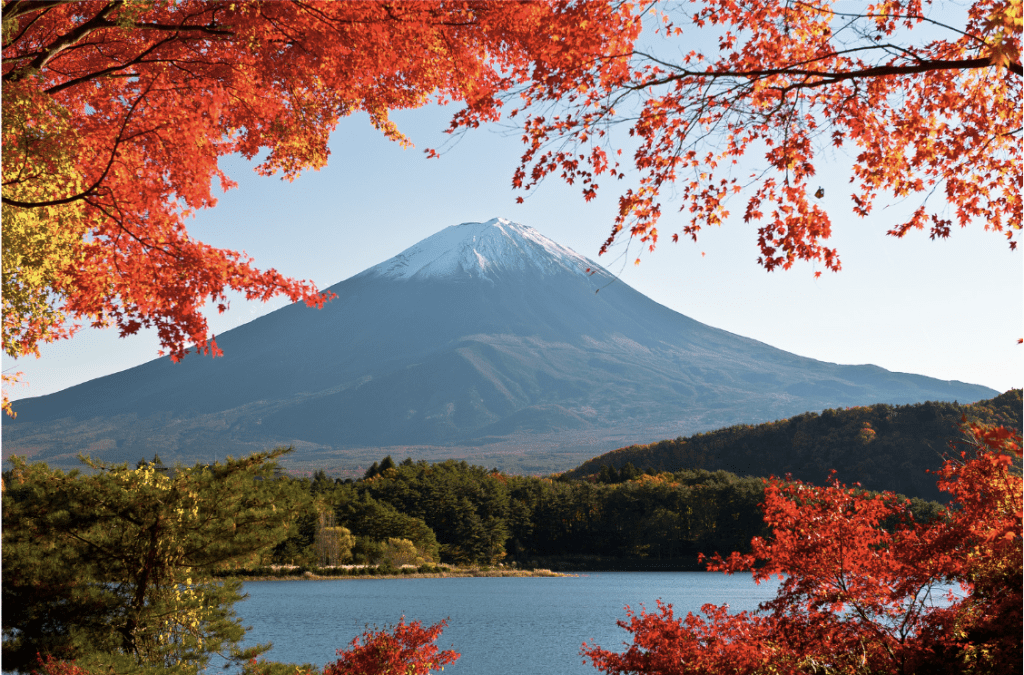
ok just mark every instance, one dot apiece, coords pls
pixel 883 447
pixel 483 340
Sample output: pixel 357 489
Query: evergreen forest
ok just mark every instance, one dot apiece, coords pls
pixel 462 514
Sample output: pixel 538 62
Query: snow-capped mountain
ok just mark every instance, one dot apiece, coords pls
pixel 482 250
pixel 484 341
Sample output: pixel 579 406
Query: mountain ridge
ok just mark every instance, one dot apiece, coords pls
pixel 486 339
pixel 881 447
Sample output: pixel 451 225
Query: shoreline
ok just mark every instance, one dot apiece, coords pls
pixel 452 574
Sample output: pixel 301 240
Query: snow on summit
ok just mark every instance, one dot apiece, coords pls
pixel 480 249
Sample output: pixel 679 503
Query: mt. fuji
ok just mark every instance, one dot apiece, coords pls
pixel 486 341
pixel 483 249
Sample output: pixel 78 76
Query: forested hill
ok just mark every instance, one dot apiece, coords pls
pixel 883 447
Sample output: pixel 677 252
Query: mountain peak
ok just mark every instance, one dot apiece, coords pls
pixel 481 250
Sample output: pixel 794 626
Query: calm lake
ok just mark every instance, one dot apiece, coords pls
pixel 499 626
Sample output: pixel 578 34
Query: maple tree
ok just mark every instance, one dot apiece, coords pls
pixel 926 94
pixel 407 648
pixel 116 112
pixel 859 583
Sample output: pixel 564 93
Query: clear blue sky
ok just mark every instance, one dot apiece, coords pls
pixel 947 309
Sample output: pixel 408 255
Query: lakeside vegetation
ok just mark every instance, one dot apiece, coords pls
pixel 131 570
pixel 460 514
pixel 623 510
pixel 426 571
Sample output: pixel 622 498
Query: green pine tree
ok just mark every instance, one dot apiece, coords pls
pixel 113 568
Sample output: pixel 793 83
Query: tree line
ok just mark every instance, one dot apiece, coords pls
pixel 457 513
pixel 882 446
pixel 136 569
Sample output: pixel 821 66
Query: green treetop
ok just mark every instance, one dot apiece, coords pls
pixel 113 568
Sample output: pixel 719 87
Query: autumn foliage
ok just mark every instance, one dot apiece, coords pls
pixel 115 115
pixel 408 648
pixel 923 96
pixel 52 666
pixel 864 589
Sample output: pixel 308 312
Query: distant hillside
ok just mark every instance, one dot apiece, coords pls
pixel 883 447
pixel 486 342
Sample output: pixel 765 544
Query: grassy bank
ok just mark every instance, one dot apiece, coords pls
pixel 278 572
pixel 598 563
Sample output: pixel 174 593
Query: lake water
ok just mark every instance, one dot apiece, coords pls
pixel 499 625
